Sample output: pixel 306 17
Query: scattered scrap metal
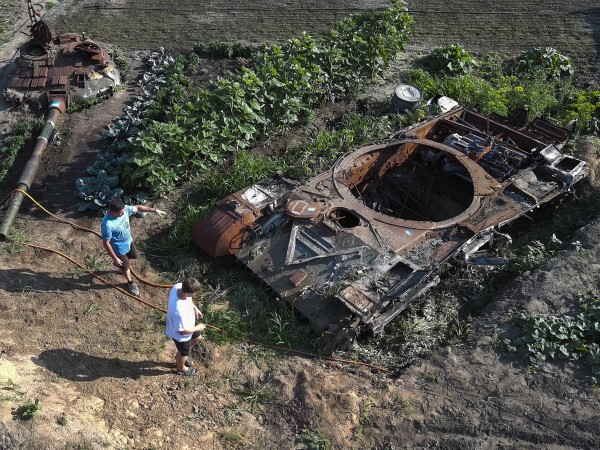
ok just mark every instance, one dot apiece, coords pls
pixel 353 247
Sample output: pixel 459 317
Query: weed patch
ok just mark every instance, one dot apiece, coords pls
pixel 28 411
pixel 364 418
pixel 20 134
pixel 256 393
pixel 11 391
pixel 316 440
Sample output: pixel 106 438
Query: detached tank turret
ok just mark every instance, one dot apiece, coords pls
pixel 69 65
pixel 53 72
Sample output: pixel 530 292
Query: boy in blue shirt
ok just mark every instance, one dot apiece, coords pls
pixel 117 240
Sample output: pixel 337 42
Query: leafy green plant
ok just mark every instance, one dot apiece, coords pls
pixel 531 256
pixel 91 101
pixel 533 93
pixel 282 83
pixel 460 328
pixel 74 107
pixel 120 60
pixel 278 329
pixel 562 337
pixel 28 411
pixel 96 261
pixel 551 61
pixel 229 320
pixel 449 60
pixel 316 440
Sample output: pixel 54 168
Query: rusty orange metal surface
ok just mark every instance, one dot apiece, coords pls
pixel 354 246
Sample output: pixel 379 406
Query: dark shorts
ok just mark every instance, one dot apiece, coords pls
pixel 184 347
pixel 131 254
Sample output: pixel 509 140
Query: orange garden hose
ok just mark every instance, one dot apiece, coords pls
pixel 158 308
pixel 79 227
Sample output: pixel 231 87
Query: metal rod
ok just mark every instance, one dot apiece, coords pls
pixel 56 107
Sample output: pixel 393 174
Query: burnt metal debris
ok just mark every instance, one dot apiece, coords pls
pixel 353 247
pixel 68 65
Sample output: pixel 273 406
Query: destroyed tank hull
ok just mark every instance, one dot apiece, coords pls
pixel 353 247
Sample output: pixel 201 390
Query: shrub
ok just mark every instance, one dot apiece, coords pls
pixel 582 106
pixel 534 92
pixel 554 64
pixel 450 60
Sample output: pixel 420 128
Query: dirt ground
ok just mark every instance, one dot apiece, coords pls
pixel 103 370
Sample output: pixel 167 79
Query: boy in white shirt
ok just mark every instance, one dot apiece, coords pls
pixel 181 323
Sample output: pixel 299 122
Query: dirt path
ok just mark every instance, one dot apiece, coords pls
pixel 103 372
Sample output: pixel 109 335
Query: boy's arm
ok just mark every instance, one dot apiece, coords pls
pixel 143 208
pixel 116 261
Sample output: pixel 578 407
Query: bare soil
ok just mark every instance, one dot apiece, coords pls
pixel 103 371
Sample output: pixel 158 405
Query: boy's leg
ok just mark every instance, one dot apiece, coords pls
pixel 180 362
pixel 183 350
pixel 195 339
pixel 125 269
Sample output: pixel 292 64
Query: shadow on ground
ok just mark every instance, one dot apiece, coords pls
pixel 77 366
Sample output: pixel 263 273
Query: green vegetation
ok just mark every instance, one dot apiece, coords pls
pixel 316 441
pixel 583 107
pixel 28 411
pixel 562 337
pixel 10 390
pixel 121 61
pixel 20 134
pixel 554 64
pixel 247 310
pixel 364 418
pixel 208 136
pixel 234 439
pixel 5 25
pixel 225 49
pixel 92 309
pixel 404 405
pixel 450 60
pixel 188 136
pixel 16 242
pixel 257 393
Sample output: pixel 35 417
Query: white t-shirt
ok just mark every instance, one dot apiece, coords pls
pixel 180 316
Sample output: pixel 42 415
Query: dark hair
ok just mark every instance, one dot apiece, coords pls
pixel 116 205
pixel 190 285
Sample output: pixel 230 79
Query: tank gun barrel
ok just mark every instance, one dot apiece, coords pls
pixel 56 107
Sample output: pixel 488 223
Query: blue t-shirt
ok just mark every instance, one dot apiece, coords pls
pixel 117 230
